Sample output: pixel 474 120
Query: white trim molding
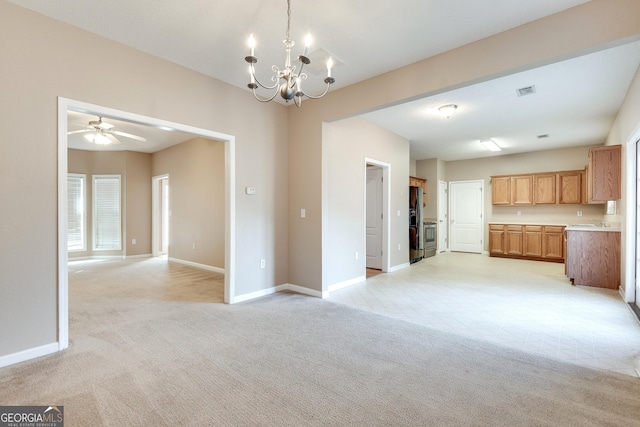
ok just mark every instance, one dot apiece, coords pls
pixel 399 267
pixel 346 283
pixel 197 265
pixel 31 353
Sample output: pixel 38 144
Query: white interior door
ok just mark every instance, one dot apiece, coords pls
pixel 465 227
pixel 443 209
pixel 374 217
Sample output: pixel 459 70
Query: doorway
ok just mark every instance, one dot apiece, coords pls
pixel 466 229
pixel 160 215
pixel 443 213
pixel 376 215
pixel 64 106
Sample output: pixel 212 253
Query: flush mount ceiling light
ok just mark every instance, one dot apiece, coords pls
pixel 490 144
pixel 288 81
pixel 447 110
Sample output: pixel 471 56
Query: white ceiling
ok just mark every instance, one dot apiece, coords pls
pixel 373 37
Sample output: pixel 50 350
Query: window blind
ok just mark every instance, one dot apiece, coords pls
pixel 106 212
pixel 76 212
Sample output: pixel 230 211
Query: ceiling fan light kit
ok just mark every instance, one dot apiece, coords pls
pixel 103 133
pixel 288 81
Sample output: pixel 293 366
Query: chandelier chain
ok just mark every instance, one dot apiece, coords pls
pixel 288 18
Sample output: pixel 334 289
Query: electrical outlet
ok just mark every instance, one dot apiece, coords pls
pixel 194 246
pixel 303 213
pixel 519 213
pixel 356 254
pixel 579 213
pixel 263 263
pixel 133 241
pixel 398 246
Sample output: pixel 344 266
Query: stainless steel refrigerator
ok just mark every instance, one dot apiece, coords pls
pixel 416 240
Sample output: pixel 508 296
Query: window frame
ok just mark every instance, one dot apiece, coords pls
pixel 95 213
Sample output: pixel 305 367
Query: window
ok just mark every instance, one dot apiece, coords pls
pixel 76 208
pixel 106 212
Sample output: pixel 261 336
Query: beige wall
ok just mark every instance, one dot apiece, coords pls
pixel 429 170
pixel 586 28
pixel 625 131
pixel 137 204
pixel 196 197
pixel 345 187
pixel 43 59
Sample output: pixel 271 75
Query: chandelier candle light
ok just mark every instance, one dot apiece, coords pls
pixel 287 82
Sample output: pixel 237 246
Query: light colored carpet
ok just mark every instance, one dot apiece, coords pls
pixel 159 357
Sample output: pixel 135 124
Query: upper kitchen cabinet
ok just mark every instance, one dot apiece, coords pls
pixel 512 190
pixel 422 183
pixel 603 174
pixel 544 189
pixel 570 188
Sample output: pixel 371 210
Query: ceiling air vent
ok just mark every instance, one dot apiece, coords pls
pixel 546 135
pixel 524 91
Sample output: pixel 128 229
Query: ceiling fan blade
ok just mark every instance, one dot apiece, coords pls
pixel 78 131
pixel 128 135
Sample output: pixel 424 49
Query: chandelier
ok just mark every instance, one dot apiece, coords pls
pixel 288 81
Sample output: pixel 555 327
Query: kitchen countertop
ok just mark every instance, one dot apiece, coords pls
pixel 581 227
pixel 611 227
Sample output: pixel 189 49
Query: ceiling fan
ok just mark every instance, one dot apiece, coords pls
pixel 103 133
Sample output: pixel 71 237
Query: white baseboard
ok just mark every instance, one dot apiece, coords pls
pixel 258 294
pixel 139 256
pixel 196 265
pixel 346 283
pixel 398 267
pixel 32 353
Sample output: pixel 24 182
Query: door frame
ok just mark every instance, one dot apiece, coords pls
pixel 156 210
pixel 66 104
pixel 444 203
pixel 629 219
pixel 386 205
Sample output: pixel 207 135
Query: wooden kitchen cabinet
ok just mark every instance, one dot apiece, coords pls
pixel 514 240
pixel 527 241
pixel 422 183
pixel 553 243
pixel 512 190
pixel 532 240
pixel 522 190
pixel 571 188
pixel 604 174
pixel 593 258
pixel 496 239
pixel 544 189
pixel 501 190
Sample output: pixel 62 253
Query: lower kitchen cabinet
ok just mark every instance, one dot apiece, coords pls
pixel 527 241
pixel 593 258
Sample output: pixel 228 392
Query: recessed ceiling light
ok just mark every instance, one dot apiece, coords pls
pixel 489 144
pixel 524 91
